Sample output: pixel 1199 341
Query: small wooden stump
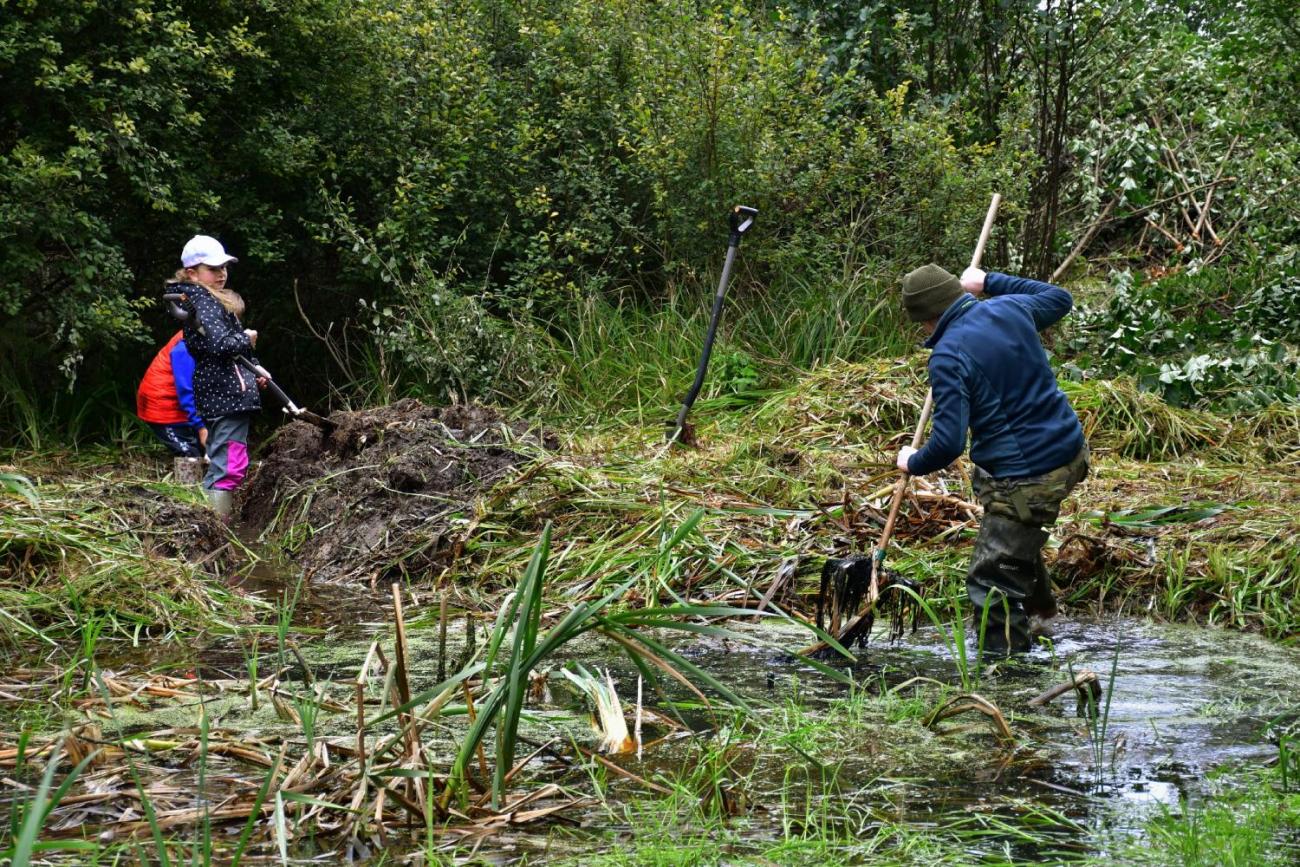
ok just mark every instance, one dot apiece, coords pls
pixel 187 471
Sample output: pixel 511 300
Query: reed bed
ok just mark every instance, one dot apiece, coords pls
pixel 127 553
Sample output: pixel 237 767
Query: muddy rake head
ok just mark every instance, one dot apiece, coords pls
pixel 846 588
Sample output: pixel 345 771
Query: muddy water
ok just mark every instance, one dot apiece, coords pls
pixel 1183 703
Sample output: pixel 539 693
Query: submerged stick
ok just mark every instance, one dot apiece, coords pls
pixel 402 677
pixel 971 702
pixel 1082 680
pixel 363 677
pixel 442 637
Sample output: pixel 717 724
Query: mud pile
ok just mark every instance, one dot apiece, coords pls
pixel 385 495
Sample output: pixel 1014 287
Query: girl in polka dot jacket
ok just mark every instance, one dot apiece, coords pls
pixel 226 393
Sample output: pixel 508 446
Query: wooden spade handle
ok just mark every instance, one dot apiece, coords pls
pixel 904 478
pixel 986 231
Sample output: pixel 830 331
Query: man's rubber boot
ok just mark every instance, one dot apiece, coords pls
pixel 1002 575
pixel 222 502
pixel 1008 630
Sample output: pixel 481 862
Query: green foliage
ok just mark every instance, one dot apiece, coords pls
pixel 737 372
pixel 436 339
pixel 1196 339
pixel 1248 826
pixel 513 166
pixel 1193 106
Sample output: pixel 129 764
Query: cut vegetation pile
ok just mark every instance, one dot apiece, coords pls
pixel 1199 525
pixel 390 492
pixel 130 555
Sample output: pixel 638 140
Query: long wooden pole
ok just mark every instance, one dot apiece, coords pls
pixel 904 477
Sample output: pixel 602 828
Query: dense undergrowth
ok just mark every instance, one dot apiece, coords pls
pixel 1209 337
pixel 128 557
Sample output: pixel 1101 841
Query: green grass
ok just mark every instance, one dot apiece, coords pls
pixel 626 362
pixel 74 558
pixel 1240 826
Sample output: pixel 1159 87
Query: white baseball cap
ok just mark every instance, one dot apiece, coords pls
pixel 205 250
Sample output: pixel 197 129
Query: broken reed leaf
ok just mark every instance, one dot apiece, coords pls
pixel 1157 516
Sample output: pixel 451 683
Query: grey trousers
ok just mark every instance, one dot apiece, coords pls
pixel 227 451
pixel 1007 573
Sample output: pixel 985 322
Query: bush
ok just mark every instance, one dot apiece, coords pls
pixel 1198 339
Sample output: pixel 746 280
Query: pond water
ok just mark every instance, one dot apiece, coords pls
pixel 1183 703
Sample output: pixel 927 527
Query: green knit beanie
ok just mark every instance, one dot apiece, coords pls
pixel 928 291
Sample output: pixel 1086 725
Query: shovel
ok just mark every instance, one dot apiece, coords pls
pixel 289 406
pixel 679 430
pixel 846 581
pixel 174 300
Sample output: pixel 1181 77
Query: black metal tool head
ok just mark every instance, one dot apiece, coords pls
pixel 846 585
pixel 899 605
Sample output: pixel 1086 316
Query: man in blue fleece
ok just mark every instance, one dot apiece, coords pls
pixel 990 374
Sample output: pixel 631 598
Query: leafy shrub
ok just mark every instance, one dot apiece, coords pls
pixel 1188 339
pixel 440 343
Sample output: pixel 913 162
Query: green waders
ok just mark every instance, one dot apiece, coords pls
pixel 1006 570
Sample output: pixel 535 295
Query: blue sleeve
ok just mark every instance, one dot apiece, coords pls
pixel 1046 303
pixel 183 376
pixel 951 415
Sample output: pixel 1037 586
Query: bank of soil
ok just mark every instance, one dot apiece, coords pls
pixel 388 493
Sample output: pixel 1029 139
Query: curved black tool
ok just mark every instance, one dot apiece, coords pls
pixel 740 219
pixel 289 406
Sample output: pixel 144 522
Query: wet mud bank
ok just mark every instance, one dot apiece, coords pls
pixel 388 493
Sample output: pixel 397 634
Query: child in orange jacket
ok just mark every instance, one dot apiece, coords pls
pixel 165 400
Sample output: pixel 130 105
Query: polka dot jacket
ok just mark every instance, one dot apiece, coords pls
pixel 215 336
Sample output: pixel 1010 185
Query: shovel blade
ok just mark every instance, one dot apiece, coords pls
pixel 683 435
pixel 311 418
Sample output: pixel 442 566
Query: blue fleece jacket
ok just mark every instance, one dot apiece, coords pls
pixel 989 373
pixel 183 376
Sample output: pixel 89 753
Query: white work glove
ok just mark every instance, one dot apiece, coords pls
pixel 972 281
pixel 903 455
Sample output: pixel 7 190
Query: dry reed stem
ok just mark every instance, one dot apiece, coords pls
pixel 967 702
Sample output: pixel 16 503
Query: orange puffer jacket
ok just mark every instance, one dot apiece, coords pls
pixel 166 394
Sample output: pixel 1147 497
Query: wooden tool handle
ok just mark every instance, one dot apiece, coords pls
pixel 989 218
pixel 901 485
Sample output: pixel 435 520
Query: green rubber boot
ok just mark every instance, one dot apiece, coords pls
pixel 1003 575
pixel 222 502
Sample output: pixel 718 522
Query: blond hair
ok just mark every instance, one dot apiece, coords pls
pixel 228 298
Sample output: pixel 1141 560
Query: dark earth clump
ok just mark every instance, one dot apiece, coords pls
pixel 167 528
pixel 388 493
